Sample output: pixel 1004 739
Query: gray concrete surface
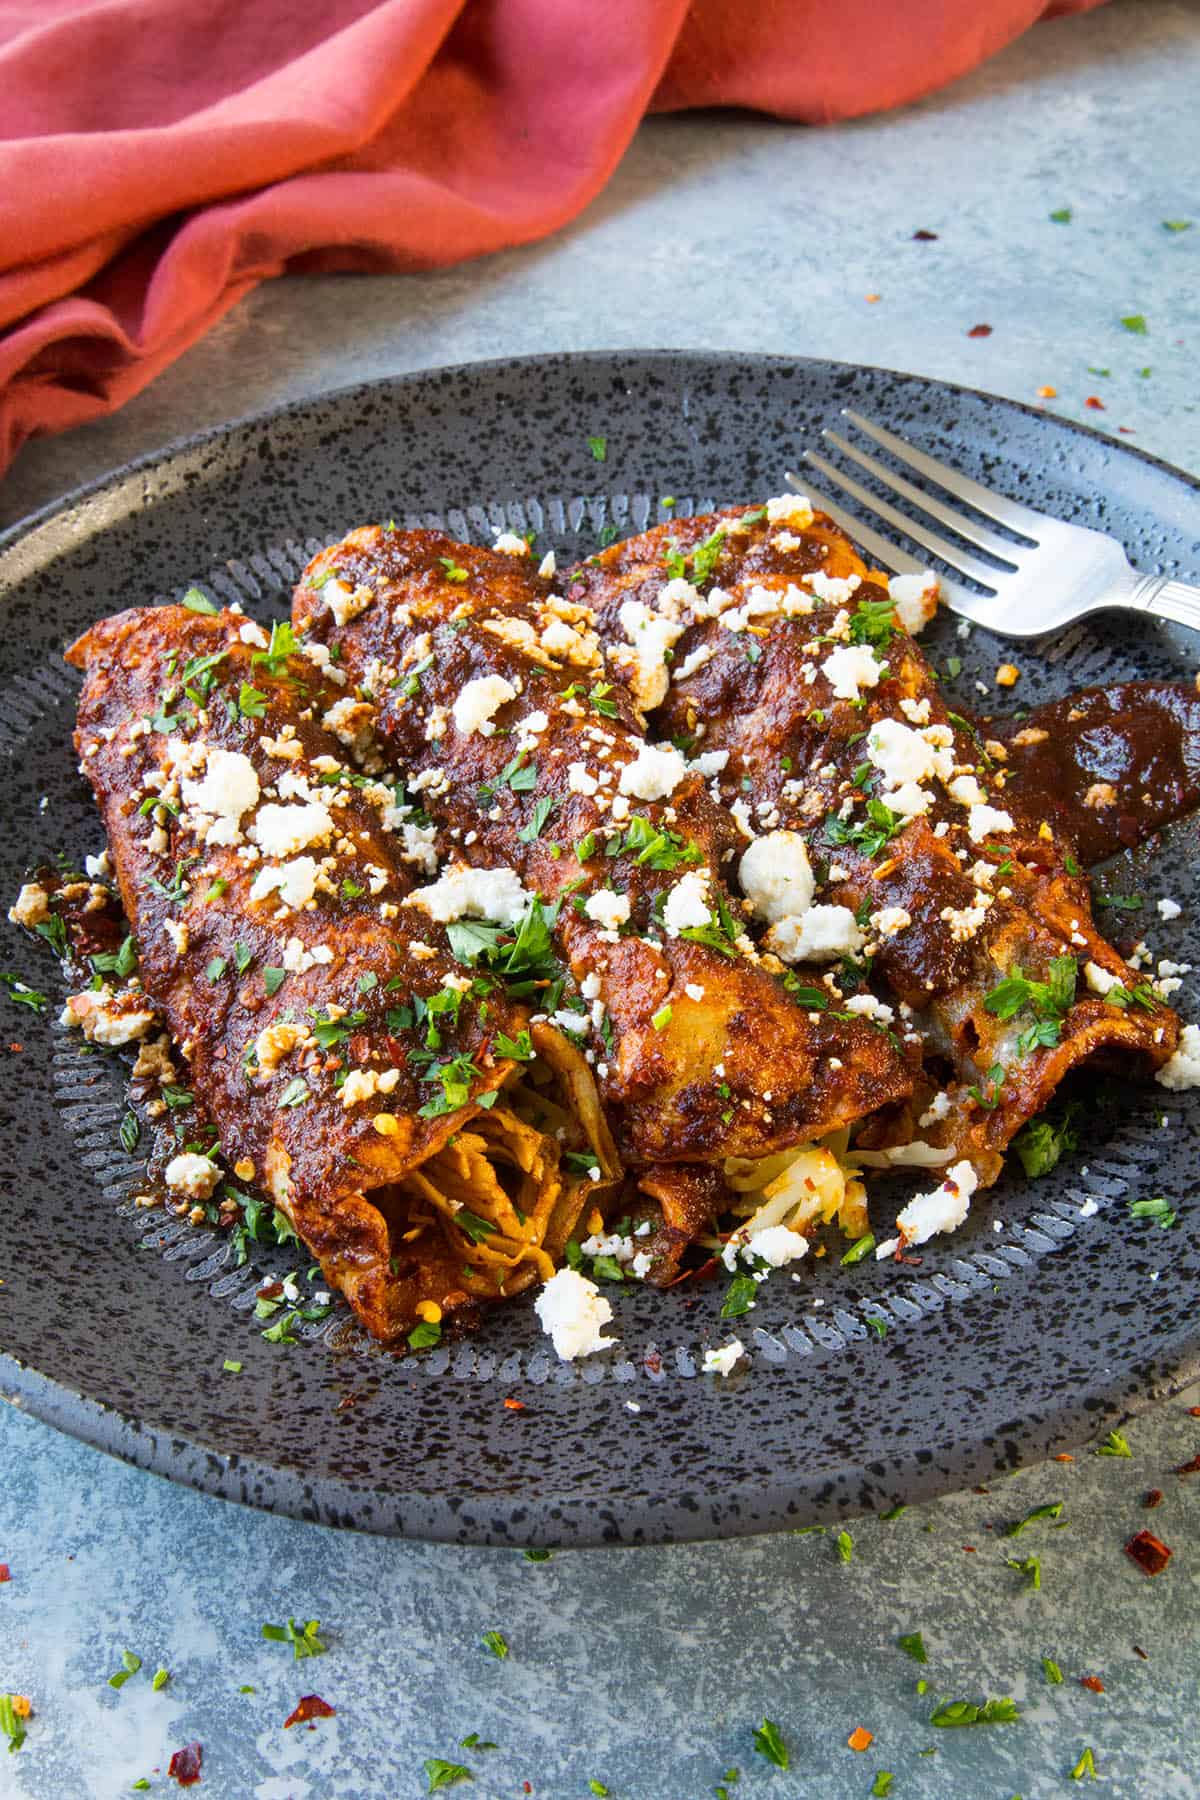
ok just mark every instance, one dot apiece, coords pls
pixel 648 1671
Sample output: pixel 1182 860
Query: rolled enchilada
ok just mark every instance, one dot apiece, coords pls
pixel 486 690
pixel 761 638
pixel 425 1142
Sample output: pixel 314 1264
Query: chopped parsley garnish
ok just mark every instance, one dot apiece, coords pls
pixel 541 812
pixel 871 834
pixel 1049 1001
pixel 537 1555
pixel 410 687
pixel 282 645
pixel 496 1643
pixel 1085 1766
pixel 739 1297
pixel 769 1743
pixel 295 1093
pixel 130 1664
pixel 251 701
pixel 1051 1671
pixel 330 1032
pixel 242 958
pixel 913 1644
pixel 521 954
pixel 352 890
pixel 477 1229
pixel 303 1639
pixel 11 1722
pixel 598 695
pixel 273 980
pixel 964 1712
pixel 1070 865
pixel 1115 1444
pixel 882 1784
pixel 1051 1510
pixel 176 890
pixel 1124 997
pixel 117 962
pixel 1135 322
pixel 216 968
pixel 1159 1209
pixel 1029 1566
pixel 177 1098
pixel 260 1222
pixel 995 1085
pixel 873 622
pixel 454 571
pixel 520 1048
pixel 599 448
pixel 1042 1142
pixel 24 995
pixel 130 1133
pixel 216 889
pixel 1062 215
pixel 586 847
pixel 425 1335
pixel 518 775
pixel 845 1547
pixel 721 933
pixel 231 1367
pixel 197 602
pixel 442 1774
pixel 662 1018
pixel 1120 902
pixel 651 846
pixel 857 1251
pixel 160 1680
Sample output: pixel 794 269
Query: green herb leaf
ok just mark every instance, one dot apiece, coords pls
pixel 537 1555
pixel 161 1678
pixel 662 1018
pixel 130 1664
pixel 1042 1142
pixel 229 1367
pixel 251 701
pixel 197 602
pixel 304 1638
pixel 858 1250
pixel 11 1723
pixel 1052 1510
pixel 425 1335
pixel 739 1297
pixel 913 1644
pixel 216 968
pixel 542 809
pixel 1085 1766
pixel 845 1547
pixel 454 571
pixel 1136 323
pixel 242 958
pixel 882 1785
pixel 1159 1209
pixel 1115 1444
pixel 1062 215
pixel 23 995
pixel 963 1712
pixel 283 644
pixel 295 1093
pixel 1177 224
pixel 130 1132
pixel 442 1774
pixel 1051 1671
pixel 1030 1567
pixel 496 1642
pixel 597 1787
pixel 769 1743
pixel 599 448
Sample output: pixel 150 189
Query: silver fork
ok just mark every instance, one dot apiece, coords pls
pixel 1050 574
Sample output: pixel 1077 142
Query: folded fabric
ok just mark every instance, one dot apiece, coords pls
pixel 158 160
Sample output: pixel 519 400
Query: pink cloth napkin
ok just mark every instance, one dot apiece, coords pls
pixel 159 159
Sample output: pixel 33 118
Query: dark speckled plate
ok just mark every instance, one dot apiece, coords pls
pixel 1036 1326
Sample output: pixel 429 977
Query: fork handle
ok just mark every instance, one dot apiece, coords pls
pixel 1168 599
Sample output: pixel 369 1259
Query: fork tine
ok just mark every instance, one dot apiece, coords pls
pixel 976 534
pixel 885 553
pixel 991 505
pixel 962 560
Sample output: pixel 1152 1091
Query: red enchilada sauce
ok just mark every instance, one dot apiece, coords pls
pixel 1107 766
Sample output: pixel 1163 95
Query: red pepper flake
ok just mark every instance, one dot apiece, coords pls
pixel 1126 430
pixel 980 331
pixel 4 1574
pixel 970 1549
pixel 1092 1682
pixel 1189 1468
pixel 1047 393
pixel 527 1787
pixel 515 1405
pixel 1064 1456
pixel 1148 1552
pixel 653 1362
pixel 925 237
pixel 1138 1651
pixel 860 1738
pixel 184 1766
pixel 310 1706
pixel 346 1402
pixel 872 299
pixel 1153 1498
pixel 16 1049
pixel 1194 1412
pixel 1096 403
